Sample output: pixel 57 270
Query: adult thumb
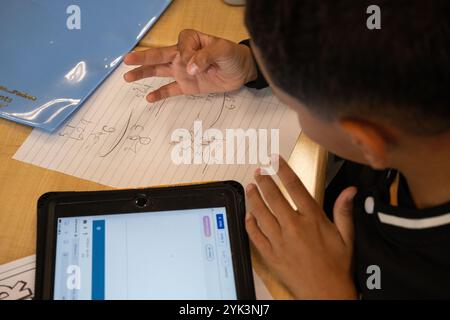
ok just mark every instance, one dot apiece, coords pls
pixel 343 215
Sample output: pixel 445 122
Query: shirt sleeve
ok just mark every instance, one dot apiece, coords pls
pixel 260 82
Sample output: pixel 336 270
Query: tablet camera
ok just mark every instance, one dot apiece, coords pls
pixel 141 201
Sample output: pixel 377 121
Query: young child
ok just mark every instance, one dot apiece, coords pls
pixel 377 97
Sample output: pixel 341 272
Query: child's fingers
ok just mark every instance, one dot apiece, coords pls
pixel 162 70
pixel 343 215
pixel 151 56
pixel 304 202
pixel 188 43
pixel 169 90
pixel 207 56
pixel 257 237
pixel 281 209
pixel 266 220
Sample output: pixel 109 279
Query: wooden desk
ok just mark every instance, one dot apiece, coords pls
pixel 208 16
pixel 21 184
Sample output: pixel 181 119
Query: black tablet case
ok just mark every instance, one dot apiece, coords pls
pixel 48 200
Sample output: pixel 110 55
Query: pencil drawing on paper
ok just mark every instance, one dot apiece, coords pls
pixel 227 103
pixel 120 139
pixel 18 291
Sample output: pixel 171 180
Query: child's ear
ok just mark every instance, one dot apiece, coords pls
pixel 372 140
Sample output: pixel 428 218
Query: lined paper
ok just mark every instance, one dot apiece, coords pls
pixel 17 279
pixel 118 139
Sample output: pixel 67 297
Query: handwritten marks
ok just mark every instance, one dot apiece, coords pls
pixel 119 139
pixel 17 279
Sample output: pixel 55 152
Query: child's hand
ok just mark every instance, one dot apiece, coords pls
pixel 310 254
pixel 200 63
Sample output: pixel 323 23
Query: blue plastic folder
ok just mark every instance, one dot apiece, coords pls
pixel 55 53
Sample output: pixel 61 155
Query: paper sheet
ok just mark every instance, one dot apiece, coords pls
pixel 17 279
pixel 120 140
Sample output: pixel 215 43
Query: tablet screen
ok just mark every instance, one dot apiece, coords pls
pixel 183 254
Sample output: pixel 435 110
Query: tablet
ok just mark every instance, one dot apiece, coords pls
pixel 183 242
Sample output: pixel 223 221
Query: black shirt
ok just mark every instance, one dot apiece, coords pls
pixel 409 248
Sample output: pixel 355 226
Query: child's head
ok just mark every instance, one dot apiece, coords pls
pixel 368 95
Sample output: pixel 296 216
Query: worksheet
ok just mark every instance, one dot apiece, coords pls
pixel 17 279
pixel 119 139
